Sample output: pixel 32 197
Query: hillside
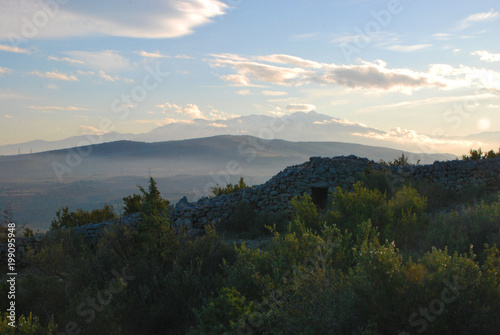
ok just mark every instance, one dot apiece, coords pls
pixel 104 172
pixel 391 247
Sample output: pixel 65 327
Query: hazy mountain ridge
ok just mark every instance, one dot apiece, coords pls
pixel 298 126
pixel 182 168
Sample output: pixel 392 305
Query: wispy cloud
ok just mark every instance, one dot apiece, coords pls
pixel 244 92
pixel 9 95
pixel 408 48
pixel 58 108
pixel 274 93
pixel 300 107
pixel 427 101
pixel 7 116
pixel 55 75
pixel 107 77
pixel 478 17
pixel 9 48
pixel 158 19
pixel 65 59
pixel 106 60
pixel 4 70
pixel 487 56
pixel 89 130
pixel 155 54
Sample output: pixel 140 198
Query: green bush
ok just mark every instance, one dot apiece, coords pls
pixel 66 219
pixel 229 188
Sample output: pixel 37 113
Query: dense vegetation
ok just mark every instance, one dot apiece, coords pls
pixel 378 260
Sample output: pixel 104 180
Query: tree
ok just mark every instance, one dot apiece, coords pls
pixel 153 204
pixel 478 154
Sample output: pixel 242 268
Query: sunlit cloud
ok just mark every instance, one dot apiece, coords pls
pixel 478 17
pixel 274 93
pixel 65 59
pixel 487 56
pixel 89 130
pixel 55 75
pixel 58 108
pixel 7 116
pixel 9 48
pixel 156 54
pixel 424 142
pixel 158 19
pixel 408 48
pixel 367 75
pixel 465 99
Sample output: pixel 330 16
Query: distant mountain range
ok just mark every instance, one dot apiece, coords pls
pixel 298 126
pixel 37 185
pixel 199 156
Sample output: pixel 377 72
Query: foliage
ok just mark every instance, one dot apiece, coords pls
pixel 25 325
pixel 479 154
pixel 229 188
pixel 400 161
pixel 375 262
pixel 153 204
pixel 66 219
pixel 132 204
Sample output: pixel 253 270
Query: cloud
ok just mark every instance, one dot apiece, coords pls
pixel 55 75
pixel 58 108
pixel 244 92
pixel 274 93
pixel 7 116
pixel 9 48
pixel 9 95
pixel 342 122
pixel 408 48
pixel 191 111
pixel 107 60
pixel 136 19
pixel 65 59
pixel 478 17
pixel 487 56
pixel 52 87
pixel 424 142
pixel 89 130
pixel 300 107
pixel 464 99
pixel 102 74
pixel 287 59
pixel 367 75
pixel 156 54
pixel 4 70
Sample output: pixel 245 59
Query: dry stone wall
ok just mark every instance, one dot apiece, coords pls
pixel 326 174
pixel 318 177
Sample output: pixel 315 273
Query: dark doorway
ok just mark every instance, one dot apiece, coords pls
pixel 319 196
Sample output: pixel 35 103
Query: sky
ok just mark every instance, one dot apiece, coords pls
pixel 410 68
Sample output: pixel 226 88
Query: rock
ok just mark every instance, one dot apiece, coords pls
pixel 182 203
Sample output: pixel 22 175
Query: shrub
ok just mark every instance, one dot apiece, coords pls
pixel 66 219
pixel 133 204
pixel 229 188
